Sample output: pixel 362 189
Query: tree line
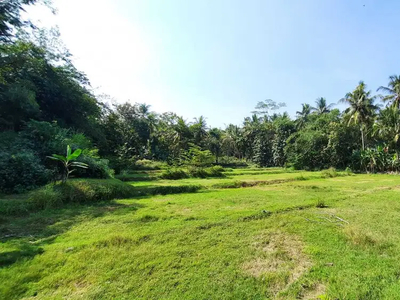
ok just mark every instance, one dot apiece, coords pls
pixel 47 104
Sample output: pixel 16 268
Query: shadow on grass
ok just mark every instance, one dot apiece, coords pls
pixel 26 235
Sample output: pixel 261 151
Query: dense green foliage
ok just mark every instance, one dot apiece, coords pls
pixel 47 104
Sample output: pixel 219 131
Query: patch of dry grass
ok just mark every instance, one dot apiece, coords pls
pixel 281 260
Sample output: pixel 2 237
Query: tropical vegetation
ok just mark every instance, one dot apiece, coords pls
pixel 47 104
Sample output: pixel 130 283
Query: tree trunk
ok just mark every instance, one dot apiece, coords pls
pixel 362 138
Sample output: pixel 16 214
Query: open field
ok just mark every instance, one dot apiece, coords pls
pixel 289 235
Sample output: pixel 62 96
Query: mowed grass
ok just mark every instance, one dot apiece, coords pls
pixel 263 242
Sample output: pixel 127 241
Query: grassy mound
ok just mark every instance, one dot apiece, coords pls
pixel 195 172
pixel 80 191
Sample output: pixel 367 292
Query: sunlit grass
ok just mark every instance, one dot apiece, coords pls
pixel 267 241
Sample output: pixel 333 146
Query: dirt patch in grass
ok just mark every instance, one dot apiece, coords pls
pixel 280 262
pixel 315 292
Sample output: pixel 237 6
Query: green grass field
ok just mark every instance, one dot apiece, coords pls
pixel 293 235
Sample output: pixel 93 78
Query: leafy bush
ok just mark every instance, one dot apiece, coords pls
pixel 330 173
pixel 196 157
pixel 216 171
pixel 306 150
pixel 98 168
pixel 174 174
pixel 46 197
pixel 146 164
pixel 301 178
pixel 44 137
pixel 229 161
pixel 349 172
pixel 197 172
pixel 21 171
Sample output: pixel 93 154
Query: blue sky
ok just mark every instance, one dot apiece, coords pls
pixel 218 58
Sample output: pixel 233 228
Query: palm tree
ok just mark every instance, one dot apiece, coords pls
pixel 393 91
pixel 362 109
pixel 388 126
pixel 214 142
pixel 232 141
pixel 143 110
pixel 302 116
pixel 182 133
pixel 199 130
pixel 321 107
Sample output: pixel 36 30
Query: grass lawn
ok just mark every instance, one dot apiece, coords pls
pixel 262 242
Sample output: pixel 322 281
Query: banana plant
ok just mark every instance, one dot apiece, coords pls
pixel 69 162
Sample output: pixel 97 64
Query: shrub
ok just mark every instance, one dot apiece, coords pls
pixel 197 157
pixel 146 164
pixel 301 178
pixel 349 172
pixel 230 161
pixel 98 168
pixel 330 173
pixel 320 203
pixel 45 197
pixel 198 172
pixel 216 171
pixel 174 174
pixel 21 171
pixel 45 138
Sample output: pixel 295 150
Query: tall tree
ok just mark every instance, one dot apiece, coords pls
pixel 321 107
pixel 361 109
pixel 232 141
pixel 302 116
pixel 387 126
pixel 214 142
pixel 199 131
pixel 266 107
pixel 393 91
pixel 10 17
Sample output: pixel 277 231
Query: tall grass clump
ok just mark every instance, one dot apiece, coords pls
pixel 145 164
pixel 79 191
pixel 349 172
pixel 172 189
pixel 174 174
pixel 329 173
pixel 198 172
